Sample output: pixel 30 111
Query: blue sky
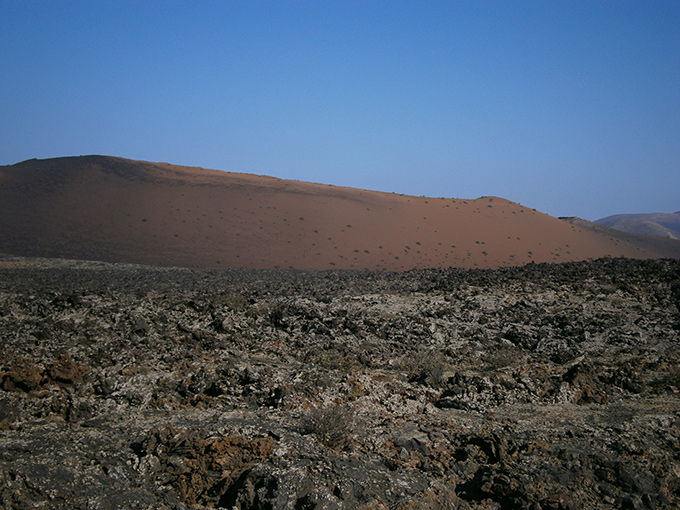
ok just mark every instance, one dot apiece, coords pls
pixel 569 107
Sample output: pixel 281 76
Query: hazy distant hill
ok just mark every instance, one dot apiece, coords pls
pixel 114 209
pixel 654 224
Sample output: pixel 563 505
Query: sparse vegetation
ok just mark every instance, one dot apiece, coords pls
pixel 334 426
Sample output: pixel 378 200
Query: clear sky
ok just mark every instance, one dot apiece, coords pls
pixel 570 107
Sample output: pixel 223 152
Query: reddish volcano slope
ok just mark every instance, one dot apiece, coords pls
pixel 113 209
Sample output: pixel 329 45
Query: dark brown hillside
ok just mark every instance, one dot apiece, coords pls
pixel 113 209
pixel 656 224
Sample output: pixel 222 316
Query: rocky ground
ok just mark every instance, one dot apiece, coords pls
pixel 543 387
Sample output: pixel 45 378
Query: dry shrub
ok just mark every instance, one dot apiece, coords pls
pixel 426 367
pixel 334 426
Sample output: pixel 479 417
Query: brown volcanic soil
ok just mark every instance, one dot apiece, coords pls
pixel 113 209
pixel 552 386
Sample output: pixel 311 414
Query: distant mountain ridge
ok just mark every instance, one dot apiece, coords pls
pixel 653 224
pixel 113 209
